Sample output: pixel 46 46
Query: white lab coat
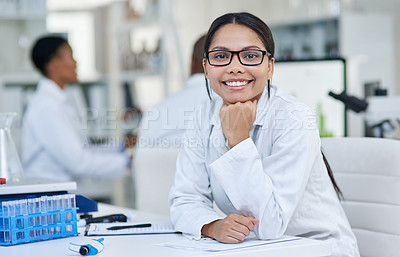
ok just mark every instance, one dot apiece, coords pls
pixel 277 176
pixel 54 145
pixel 164 124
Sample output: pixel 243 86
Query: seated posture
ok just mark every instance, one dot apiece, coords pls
pixel 54 145
pixel 255 151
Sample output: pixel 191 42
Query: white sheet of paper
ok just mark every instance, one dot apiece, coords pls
pixel 210 245
pixel 100 229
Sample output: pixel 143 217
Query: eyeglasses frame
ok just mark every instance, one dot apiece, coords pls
pixel 206 54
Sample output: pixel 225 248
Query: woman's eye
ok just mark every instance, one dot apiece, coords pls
pixel 220 56
pixel 251 56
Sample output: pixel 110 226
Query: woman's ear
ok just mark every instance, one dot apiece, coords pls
pixel 204 67
pixel 271 67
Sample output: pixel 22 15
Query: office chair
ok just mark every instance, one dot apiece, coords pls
pixel 367 171
pixel 153 175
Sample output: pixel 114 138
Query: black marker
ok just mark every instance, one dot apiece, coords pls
pixel 106 219
pixel 145 225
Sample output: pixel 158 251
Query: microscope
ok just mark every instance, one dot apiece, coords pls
pixel 381 112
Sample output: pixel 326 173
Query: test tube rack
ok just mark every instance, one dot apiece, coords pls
pixel 40 218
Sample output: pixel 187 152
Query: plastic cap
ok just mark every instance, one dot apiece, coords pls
pixel 2 181
pixel 84 250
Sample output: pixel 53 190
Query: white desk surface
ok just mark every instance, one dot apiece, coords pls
pixel 146 245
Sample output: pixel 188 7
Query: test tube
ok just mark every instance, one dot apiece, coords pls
pixel 58 207
pixel 65 202
pixel 43 203
pixel 59 202
pixel 17 207
pixel 38 209
pixel 7 235
pixel 24 211
pixel 73 201
pixel 49 206
pixel 11 208
pixel 24 206
pixel 49 203
pixel 67 212
pixel 19 219
pixel 31 208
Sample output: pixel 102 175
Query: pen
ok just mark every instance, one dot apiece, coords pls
pixel 145 225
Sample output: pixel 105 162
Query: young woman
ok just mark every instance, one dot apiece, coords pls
pixel 254 150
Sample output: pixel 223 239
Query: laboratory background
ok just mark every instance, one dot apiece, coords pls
pixel 341 57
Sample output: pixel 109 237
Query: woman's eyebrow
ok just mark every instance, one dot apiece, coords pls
pixel 244 48
pixel 251 47
pixel 219 48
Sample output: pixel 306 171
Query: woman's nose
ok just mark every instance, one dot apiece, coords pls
pixel 235 65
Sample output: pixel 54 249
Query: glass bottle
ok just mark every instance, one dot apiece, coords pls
pixel 10 164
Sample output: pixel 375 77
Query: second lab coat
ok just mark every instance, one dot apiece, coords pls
pixel 277 176
pixel 54 145
pixel 165 123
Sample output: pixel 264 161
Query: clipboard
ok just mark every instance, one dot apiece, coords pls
pixel 100 229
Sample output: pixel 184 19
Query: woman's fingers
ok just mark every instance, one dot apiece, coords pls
pixel 232 229
pixel 236 228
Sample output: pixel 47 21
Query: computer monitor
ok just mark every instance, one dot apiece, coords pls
pixel 310 81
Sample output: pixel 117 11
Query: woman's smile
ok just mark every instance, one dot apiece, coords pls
pixel 236 84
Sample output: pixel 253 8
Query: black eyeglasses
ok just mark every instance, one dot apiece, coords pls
pixel 249 57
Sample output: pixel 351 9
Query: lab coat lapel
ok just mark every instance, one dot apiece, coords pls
pixel 217 145
pixel 217 141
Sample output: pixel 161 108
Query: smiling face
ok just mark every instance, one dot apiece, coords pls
pixel 236 82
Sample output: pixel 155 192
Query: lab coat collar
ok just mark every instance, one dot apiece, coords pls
pixel 47 86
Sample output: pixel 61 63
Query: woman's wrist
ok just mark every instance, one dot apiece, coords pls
pixel 206 230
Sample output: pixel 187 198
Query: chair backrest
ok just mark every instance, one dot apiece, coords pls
pixel 154 172
pixel 367 171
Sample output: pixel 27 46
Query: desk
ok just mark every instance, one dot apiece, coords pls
pixel 145 245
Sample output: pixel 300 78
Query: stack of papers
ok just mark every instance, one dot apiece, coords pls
pixel 211 245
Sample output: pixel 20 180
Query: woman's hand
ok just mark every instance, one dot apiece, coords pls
pixel 237 120
pixel 232 229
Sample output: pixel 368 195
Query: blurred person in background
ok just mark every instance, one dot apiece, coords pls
pixel 54 145
pixel 165 123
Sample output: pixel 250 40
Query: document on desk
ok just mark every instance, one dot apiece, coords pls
pixel 211 245
pixel 116 229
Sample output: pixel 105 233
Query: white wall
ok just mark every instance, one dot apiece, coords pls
pixel 193 17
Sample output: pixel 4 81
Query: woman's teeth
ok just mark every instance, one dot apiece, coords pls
pixel 236 83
